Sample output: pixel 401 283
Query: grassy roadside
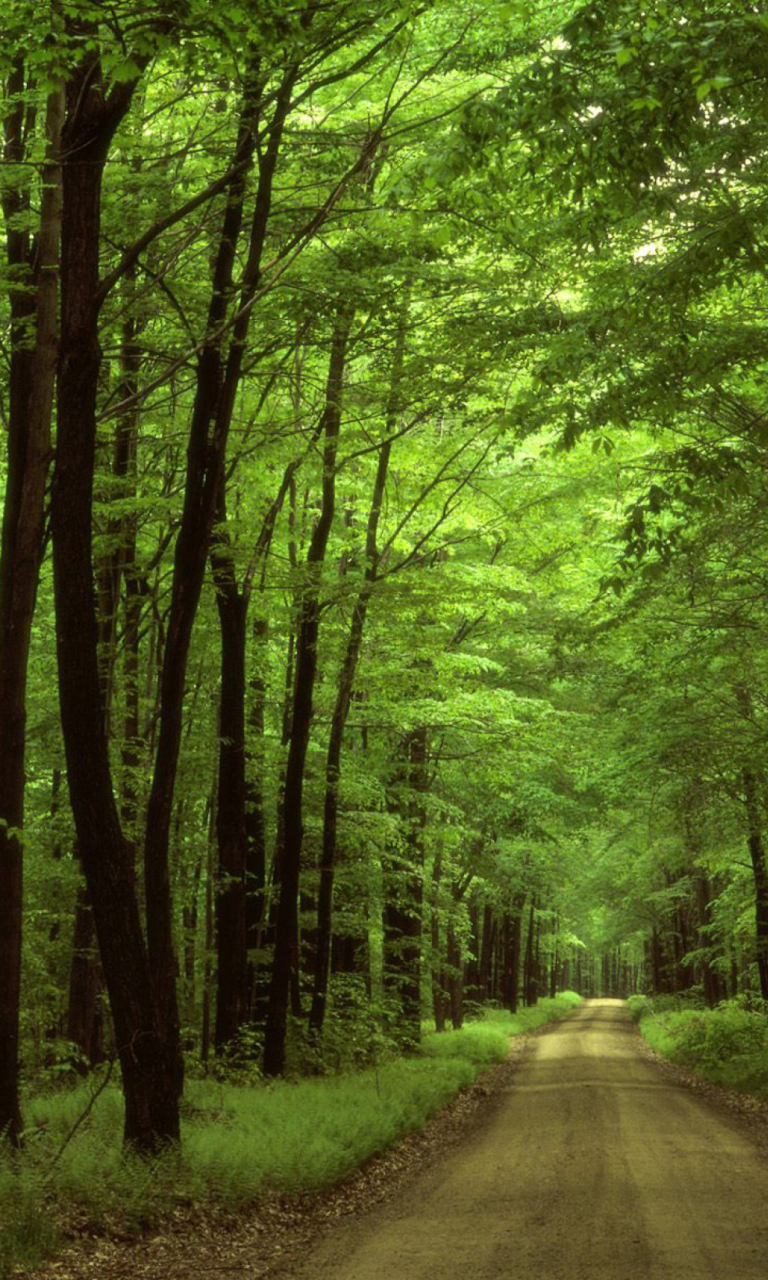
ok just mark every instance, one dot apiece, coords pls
pixel 727 1045
pixel 239 1142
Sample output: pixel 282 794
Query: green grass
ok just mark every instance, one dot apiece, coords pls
pixel 239 1142
pixel 487 1040
pixel 727 1045
pixel 27 1232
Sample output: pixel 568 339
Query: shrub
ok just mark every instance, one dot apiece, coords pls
pixel 727 1045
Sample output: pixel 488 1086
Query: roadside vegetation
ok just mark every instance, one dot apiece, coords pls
pixel 727 1045
pixel 240 1140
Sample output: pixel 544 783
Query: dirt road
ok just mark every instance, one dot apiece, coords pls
pixel 594 1166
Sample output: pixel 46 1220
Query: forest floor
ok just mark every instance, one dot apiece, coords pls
pixel 254 1243
pixel 584 1156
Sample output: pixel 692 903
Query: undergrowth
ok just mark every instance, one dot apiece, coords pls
pixel 727 1045
pixel 238 1142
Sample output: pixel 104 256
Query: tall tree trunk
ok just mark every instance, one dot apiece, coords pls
pixel 255 826
pixel 306 671
pixel 757 853
pixel 335 743
pixel 84 1027
pixel 147 1059
pixel 554 973
pixel 709 976
pixel 190 918
pixel 473 960
pixel 529 979
pixel 513 989
pixel 455 978
pixel 486 953
pixel 239 834
pixel 231 932
pixel 404 891
pixel 760 875
pixel 345 691
pixel 438 991
pixel 210 879
pixel 34 327
pixel 132 744
pixel 217 382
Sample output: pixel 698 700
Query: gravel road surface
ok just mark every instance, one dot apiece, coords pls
pixel 595 1165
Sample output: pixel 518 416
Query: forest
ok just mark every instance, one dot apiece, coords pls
pixel 384 554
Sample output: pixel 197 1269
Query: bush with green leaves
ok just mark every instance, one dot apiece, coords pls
pixel 727 1045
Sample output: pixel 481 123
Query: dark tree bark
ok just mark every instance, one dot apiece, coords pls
pixel 133 743
pixel 84 1022
pixel 190 919
pixel 147 1058
pixel 240 835
pixel 218 378
pixel 438 991
pixel 756 845
pixel 86 982
pixel 255 825
pixel 231 930
pixel 513 976
pixel 530 980
pixel 684 976
pixel 455 978
pixel 33 304
pixel 404 891
pixel 472 983
pixel 660 965
pixel 285 956
pixel 335 743
pixel 210 878
pixel 760 874
pixel 709 978
pixel 554 971
pixel 453 982
pixel 141 982
pixel 141 979
pixel 345 691
pixel 486 953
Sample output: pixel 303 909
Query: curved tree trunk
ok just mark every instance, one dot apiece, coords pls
pixel 147 1059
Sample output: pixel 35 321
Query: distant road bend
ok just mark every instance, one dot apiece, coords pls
pixel 594 1166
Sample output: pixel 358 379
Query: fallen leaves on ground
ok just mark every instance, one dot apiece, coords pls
pixel 205 1241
